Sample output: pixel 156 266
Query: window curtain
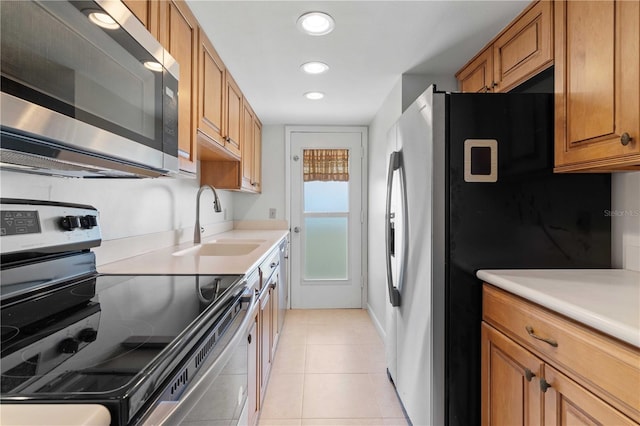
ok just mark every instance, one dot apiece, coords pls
pixel 326 165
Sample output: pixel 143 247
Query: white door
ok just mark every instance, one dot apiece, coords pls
pixel 326 217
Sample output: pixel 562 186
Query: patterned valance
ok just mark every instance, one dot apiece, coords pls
pixel 326 165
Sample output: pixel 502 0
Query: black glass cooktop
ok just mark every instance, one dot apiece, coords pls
pixel 106 336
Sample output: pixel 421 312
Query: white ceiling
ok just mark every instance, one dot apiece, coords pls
pixel 373 44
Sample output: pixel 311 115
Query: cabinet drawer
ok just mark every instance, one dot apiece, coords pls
pixel 605 366
pixel 268 266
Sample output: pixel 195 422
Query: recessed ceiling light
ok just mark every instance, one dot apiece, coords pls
pixel 314 96
pixel 153 66
pixel 314 67
pixel 103 20
pixel 316 23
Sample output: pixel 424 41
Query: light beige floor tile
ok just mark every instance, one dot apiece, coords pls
pixel 279 422
pixel 344 359
pixel 343 422
pixel 294 334
pixel 386 396
pixel 396 422
pixel 284 397
pixel 338 396
pixel 290 359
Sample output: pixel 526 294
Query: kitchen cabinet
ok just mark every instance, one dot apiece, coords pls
pixel 253 397
pixel 597 85
pixel 147 12
pixel 233 118
pixel 523 49
pixel 477 75
pixel 179 35
pixel 251 150
pixel 244 175
pixel 541 368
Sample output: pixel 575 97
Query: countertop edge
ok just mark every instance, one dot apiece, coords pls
pixel 222 265
pixel 591 319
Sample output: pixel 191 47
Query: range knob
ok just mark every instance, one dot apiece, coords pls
pixel 68 346
pixel 70 223
pixel 88 335
pixel 88 222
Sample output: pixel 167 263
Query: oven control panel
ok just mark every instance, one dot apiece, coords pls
pixel 47 227
pixel 15 222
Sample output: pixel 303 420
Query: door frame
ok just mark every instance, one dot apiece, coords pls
pixel 364 194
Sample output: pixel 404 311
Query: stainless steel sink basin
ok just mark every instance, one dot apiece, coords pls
pixel 223 247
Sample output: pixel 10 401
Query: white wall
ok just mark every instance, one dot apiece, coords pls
pixel 376 287
pixel 256 207
pixel 625 220
pixel 128 207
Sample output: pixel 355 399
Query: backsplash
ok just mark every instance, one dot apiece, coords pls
pixel 128 207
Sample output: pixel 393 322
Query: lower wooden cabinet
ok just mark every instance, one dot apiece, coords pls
pixel 253 397
pixel 539 368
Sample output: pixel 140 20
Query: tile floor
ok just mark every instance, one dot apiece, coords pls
pixel 330 370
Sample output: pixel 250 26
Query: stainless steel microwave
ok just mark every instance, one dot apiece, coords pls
pixel 87 91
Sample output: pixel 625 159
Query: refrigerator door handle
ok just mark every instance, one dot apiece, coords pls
pixel 395 163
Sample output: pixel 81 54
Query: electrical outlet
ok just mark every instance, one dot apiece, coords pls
pixel 272 213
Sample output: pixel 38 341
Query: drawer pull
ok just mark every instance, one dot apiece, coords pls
pixel 544 339
pixel 544 385
pixel 528 374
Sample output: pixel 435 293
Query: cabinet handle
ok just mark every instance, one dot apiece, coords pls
pixel 528 374
pixel 625 139
pixel 249 339
pixel 272 286
pixel 494 84
pixel 544 385
pixel 486 89
pixel 544 339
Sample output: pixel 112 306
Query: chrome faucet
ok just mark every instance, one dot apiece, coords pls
pixel 217 207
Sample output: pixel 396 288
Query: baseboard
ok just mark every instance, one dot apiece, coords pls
pixel 376 324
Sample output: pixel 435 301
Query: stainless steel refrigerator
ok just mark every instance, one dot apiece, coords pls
pixel 471 186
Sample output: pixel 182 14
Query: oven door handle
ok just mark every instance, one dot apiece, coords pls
pixel 172 412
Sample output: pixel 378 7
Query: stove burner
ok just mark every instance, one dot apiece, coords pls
pixel 8 333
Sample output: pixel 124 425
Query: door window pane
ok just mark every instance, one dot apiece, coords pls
pixel 326 197
pixel 326 245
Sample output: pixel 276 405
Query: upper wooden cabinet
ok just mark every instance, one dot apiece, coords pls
pixel 477 75
pixel 179 35
pixel 212 85
pixel 597 85
pixel 251 150
pixel 521 50
pixel 233 116
pixel 148 12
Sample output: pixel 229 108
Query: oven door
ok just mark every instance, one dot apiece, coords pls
pixel 217 394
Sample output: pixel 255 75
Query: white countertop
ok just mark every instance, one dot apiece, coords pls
pixel 607 300
pixel 54 415
pixel 163 261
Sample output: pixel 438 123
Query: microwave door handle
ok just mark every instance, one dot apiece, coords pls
pixel 395 162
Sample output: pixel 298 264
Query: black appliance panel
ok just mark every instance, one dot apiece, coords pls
pixel 529 218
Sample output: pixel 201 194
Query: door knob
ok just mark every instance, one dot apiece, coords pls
pixel 296 229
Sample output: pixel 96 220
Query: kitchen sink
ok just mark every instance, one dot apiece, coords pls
pixel 227 247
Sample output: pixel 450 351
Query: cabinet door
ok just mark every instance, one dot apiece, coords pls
pixel 265 340
pixel 274 315
pixel 477 75
pixel 510 382
pixel 147 12
pixel 247 147
pixel 567 403
pixel 234 116
pixel 211 84
pixel 597 85
pixel 253 397
pixel 257 155
pixel 525 48
pixel 181 40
